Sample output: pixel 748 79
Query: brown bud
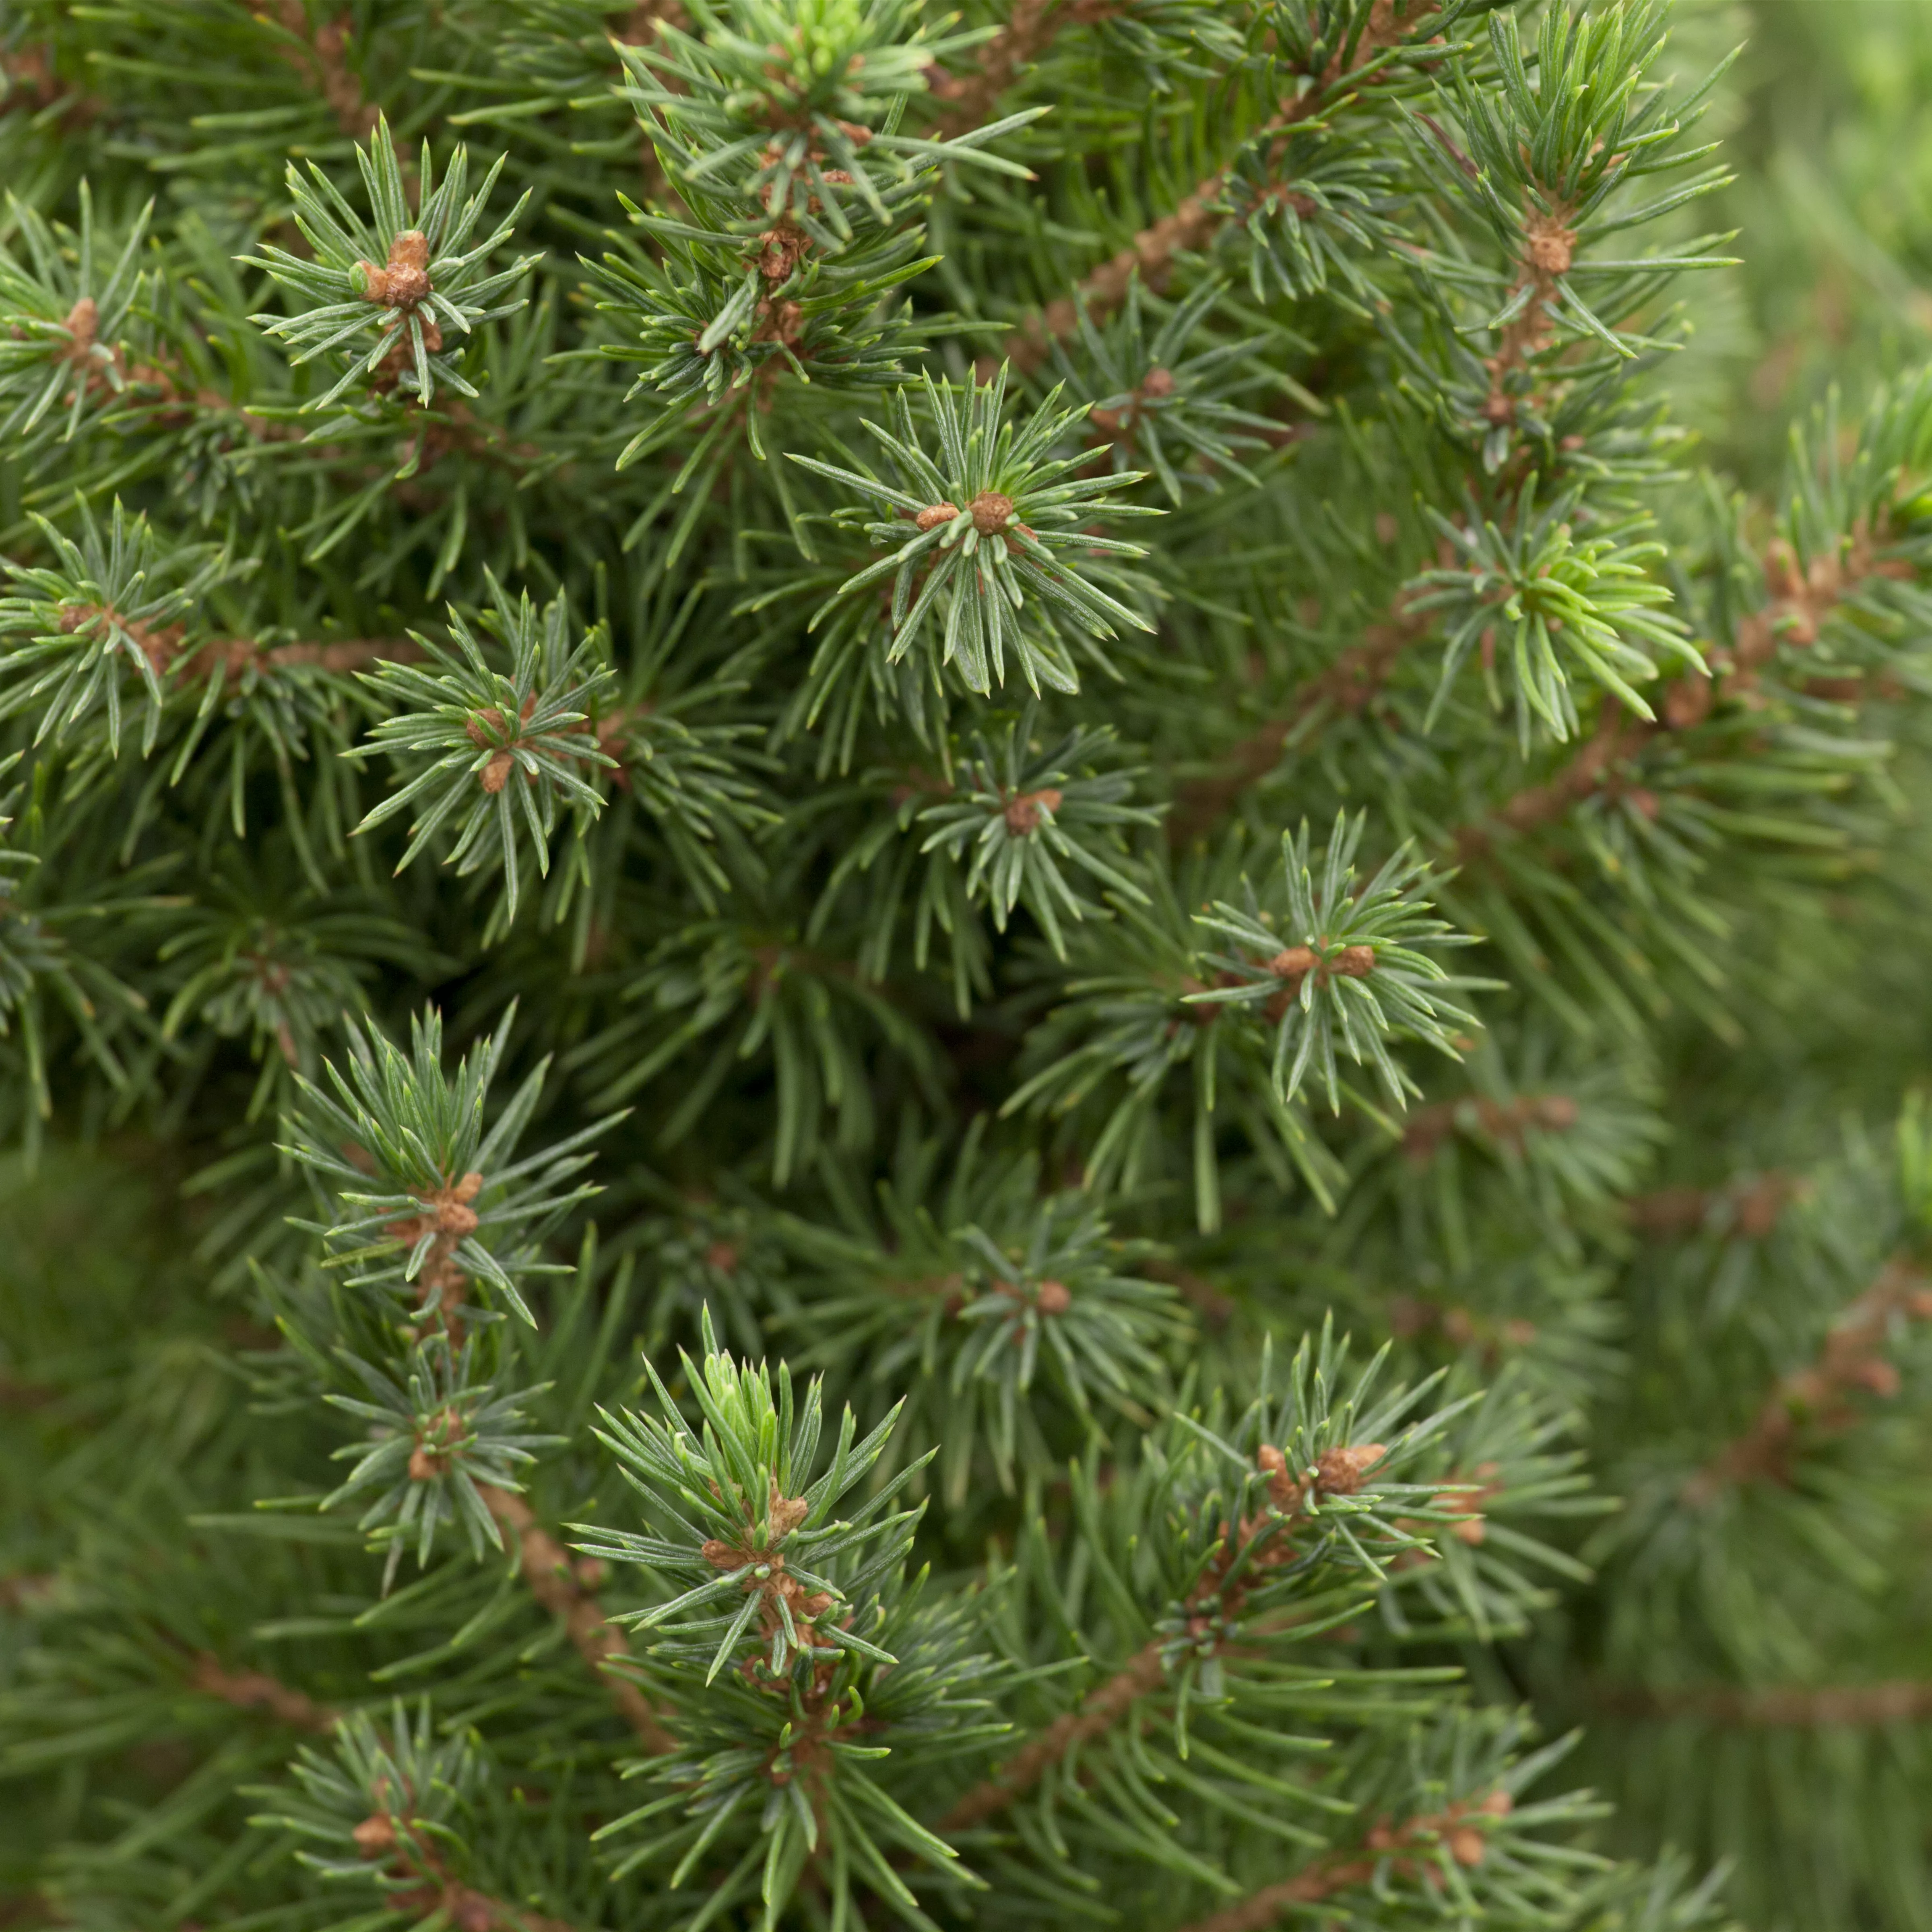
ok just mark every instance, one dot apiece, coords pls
pixel 1551 252
pixel 82 320
pixel 1353 962
pixel 1023 809
pixel 1877 1375
pixel 403 281
pixel 991 512
pixel 1338 1472
pixel 787 1513
pixel 1054 1297
pixel 722 1556
pixel 1159 382
pixel 934 514
pixel 1293 962
pixel 424 1466
pixel 495 774
pixel 1467 1846
pixel 376 1836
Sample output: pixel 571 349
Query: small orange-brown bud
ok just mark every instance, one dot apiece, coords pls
pixel 1023 808
pixel 376 1836
pixel 403 281
pixel 1293 962
pixel 1467 1846
pixel 1353 962
pixel 934 514
pixel 1340 1472
pixel 991 512
pixel 1054 1297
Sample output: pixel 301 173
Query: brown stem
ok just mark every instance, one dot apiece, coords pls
pixel 1852 1361
pixel 1750 1208
pixel 164 649
pixel 1097 1713
pixel 1507 1121
pixel 555 1582
pixel 322 61
pixel 1251 1547
pixel 398 1840
pixel 1347 685
pixel 1030 29
pixel 31 82
pixel 24 1590
pixel 1783 1706
pixel 1405 1847
pixel 15 1393
pixel 1196 217
pixel 1217 1309
pixel 1594 765
pixel 253 1690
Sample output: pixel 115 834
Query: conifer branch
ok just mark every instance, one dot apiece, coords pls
pixel 1594 765
pixel 1818 1399
pixel 320 54
pixel 1199 215
pixel 1750 1208
pixel 1030 28
pixel 1506 1122
pixel 1401 1850
pixel 561 1587
pixel 30 82
pixel 1099 1710
pixel 1348 686
pixel 1780 1707
pixel 255 1690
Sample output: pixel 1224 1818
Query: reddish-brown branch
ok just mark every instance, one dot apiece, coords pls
pixel 1751 1207
pixel 1098 1713
pixel 1507 1121
pixel 397 1840
pixel 1781 1706
pixel 319 55
pixel 164 648
pixel 563 1589
pixel 1819 1399
pixel 1593 767
pixel 1030 29
pixel 1407 1847
pixel 15 1393
pixel 31 82
pixel 1461 1327
pixel 253 1690
pixel 1198 216
pixel 27 1590
pixel 1347 685
pixel 1217 1308
pixel 1248 1548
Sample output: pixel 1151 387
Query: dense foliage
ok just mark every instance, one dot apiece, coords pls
pixel 961 967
